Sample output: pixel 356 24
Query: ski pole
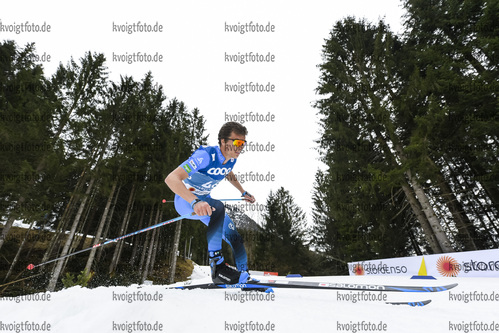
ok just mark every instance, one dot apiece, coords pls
pixel 31 266
pixel 165 201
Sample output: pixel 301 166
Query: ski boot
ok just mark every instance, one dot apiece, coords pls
pixel 222 273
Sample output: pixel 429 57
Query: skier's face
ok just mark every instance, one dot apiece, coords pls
pixel 233 145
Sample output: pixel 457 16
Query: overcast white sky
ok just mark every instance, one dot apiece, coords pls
pixel 193 44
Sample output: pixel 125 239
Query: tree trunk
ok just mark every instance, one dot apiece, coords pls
pixel 124 225
pixel 16 258
pixel 466 231
pixel 137 238
pixel 173 260
pixel 416 206
pixel 60 263
pixel 415 244
pixel 423 221
pixel 155 251
pixel 87 224
pixel 64 218
pixel 440 235
pixel 108 224
pixel 150 248
pixel 100 228
pixel 144 246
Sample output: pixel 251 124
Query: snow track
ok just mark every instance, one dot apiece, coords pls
pixel 471 306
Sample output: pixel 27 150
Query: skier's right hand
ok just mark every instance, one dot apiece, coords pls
pixel 202 208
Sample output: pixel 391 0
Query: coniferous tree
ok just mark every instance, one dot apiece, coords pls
pixel 453 87
pixel 26 104
pixel 423 108
pixel 359 201
pixel 282 244
pixel 108 147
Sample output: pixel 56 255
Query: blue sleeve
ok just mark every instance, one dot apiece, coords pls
pixel 200 159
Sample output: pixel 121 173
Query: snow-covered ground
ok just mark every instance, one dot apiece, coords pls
pixel 473 306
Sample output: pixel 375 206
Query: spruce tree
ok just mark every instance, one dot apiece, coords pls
pixel 282 244
pixel 26 104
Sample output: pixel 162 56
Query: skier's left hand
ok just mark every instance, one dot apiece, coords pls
pixel 248 197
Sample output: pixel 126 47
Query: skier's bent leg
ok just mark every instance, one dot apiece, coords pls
pixel 234 239
pixel 215 226
pixel 220 272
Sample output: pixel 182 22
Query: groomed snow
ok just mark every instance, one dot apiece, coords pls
pixel 159 309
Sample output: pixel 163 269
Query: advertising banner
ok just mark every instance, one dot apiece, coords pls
pixel 483 263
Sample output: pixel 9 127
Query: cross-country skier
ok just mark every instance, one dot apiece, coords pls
pixel 192 183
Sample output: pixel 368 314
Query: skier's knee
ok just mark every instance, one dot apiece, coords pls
pixel 219 208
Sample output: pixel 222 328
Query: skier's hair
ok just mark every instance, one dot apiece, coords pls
pixel 230 127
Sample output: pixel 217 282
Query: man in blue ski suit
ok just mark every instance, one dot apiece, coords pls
pixel 192 183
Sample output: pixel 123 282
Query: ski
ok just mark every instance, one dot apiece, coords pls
pixel 420 303
pixel 320 285
pixel 253 286
pixel 268 288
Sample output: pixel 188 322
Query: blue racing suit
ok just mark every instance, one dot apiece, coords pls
pixel 206 169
